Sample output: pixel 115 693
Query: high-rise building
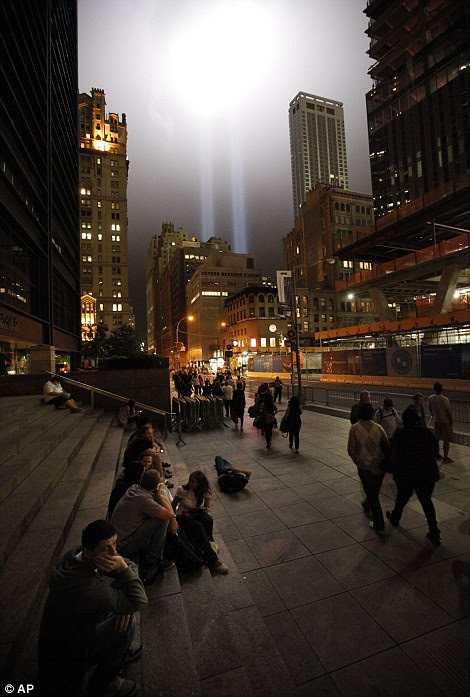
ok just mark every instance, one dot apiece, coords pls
pixel 103 213
pixel 417 109
pixel 317 145
pixel 159 252
pixel 221 275
pixel 39 247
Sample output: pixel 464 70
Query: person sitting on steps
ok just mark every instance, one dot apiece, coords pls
pixel 53 393
pixel 88 620
pixel 192 503
pixel 142 518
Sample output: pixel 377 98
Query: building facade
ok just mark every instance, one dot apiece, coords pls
pixel 39 245
pixel 103 210
pixel 417 109
pixel 221 275
pixel 317 145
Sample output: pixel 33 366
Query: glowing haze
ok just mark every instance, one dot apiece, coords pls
pixel 206 86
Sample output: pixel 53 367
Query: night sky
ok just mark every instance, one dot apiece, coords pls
pixel 206 87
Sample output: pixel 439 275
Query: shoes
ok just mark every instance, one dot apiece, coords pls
pixel 379 531
pixel 167 564
pixel 133 654
pixel 296 452
pixel 434 537
pixel 391 519
pixel 168 474
pixel 366 507
pixel 214 546
pixel 76 410
pixel 290 446
pixel 241 428
pixel 118 687
pixel 169 485
pixel 220 567
pixel 447 460
pixel 150 574
pixel 439 457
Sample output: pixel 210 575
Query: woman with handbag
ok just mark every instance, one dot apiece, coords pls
pixel 238 406
pixel 191 505
pixel 293 422
pixel 267 411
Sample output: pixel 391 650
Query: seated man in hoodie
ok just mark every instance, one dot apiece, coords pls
pixel 142 518
pixel 88 619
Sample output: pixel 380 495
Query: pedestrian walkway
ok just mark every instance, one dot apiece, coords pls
pixel 351 613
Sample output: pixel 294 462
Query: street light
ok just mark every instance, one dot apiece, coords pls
pixel 178 345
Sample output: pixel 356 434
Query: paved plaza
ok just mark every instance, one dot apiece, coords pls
pixel 351 613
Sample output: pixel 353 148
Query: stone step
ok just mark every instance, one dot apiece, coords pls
pixel 37 444
pixel 25 574
pixel 15 406
pixel 18 510
pixel 18 415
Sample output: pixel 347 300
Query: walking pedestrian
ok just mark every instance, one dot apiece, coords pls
pixel 267 411
pixel 227 391
pixel 439 406
pixel 387 417
pixel 414 468
pixel 292 418
pixel 277 389
pixel 364 398
pixel 367 447
pixel 238 406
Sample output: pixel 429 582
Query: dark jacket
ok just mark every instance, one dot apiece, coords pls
pixel 238 402
pixel 79 597
pixel 292 418
pixel 134 448
pixel 414 453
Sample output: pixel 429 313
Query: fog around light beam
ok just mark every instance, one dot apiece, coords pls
pixel 220 56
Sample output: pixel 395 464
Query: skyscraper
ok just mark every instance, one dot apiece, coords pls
pixel 39 248
pixel 103 213
pixel 317 145
pixel 417 109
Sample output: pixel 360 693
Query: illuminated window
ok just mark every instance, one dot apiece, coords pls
pixel 100 236
pixel 272 341
pixel 253 343
pixel 262 342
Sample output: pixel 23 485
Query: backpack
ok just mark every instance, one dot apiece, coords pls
pixel 180 550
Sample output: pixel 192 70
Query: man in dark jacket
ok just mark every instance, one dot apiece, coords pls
pixel 88 621
pixel 414 453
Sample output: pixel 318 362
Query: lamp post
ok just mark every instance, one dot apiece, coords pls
pixel 178 344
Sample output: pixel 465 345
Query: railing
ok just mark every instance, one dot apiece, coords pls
pixel 344 399
pixel 455 244
pixel 168 417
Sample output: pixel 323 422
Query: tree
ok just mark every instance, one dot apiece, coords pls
pixel 124 341
pixel 97 347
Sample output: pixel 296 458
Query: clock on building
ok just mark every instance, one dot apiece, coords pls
pixel 272 328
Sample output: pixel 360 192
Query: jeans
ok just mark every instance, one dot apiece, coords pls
pixel 371 484
pixel 423 492
pixel 148 538
pixel 109 650
pixel 268 432
pixel 222 465
pixel 294 436
pixel 198 530
pixel 277 394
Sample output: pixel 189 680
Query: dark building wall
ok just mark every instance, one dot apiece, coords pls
pixel 418 109
pixel 39 260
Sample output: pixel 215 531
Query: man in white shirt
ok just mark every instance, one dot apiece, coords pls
pixel 439 406
pixel 227 391
pixel 53 393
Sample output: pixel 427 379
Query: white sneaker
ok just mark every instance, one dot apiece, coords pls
pixel 214 546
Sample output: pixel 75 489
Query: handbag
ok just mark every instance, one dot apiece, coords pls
pixel 252 411
pixel 284 428
pixel 258 422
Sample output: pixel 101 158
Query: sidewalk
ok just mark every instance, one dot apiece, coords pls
pixel 350 612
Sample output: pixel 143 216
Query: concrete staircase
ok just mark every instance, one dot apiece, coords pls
pixel 203 635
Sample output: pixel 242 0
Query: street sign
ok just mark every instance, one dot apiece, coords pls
pixel 291 333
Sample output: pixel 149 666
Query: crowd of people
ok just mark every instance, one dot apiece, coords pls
pixel 95 590
pixel 381 442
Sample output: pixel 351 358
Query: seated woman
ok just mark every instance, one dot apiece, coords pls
pixel 191 505
pixel 130 476
pixel 53 393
